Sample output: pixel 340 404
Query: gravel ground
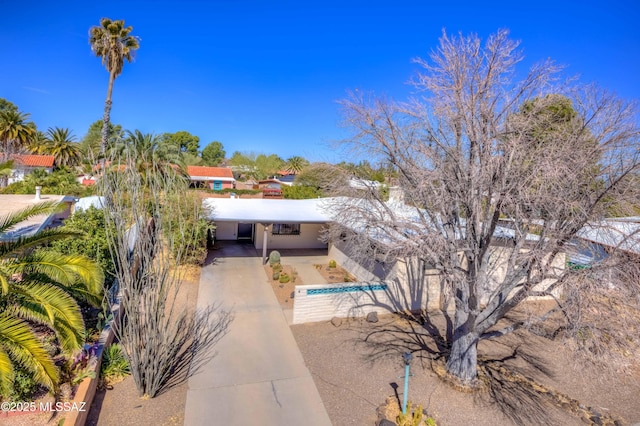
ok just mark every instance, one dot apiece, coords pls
pixel 355 376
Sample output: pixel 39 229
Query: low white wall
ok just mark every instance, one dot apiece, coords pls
pixel 308 238
pixel 349 300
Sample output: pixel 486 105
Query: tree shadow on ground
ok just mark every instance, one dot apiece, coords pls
pixel 508 367
pixel 198 334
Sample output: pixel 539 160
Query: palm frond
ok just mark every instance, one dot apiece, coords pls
pixel 65 269
pixel 22 346
pixel 7 372
pixel 24 244
pixel 14 218
pixel 51 306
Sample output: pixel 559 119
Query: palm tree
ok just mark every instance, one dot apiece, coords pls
pixel 39 287
pixel 112 42
pixel 147 151
pixel 63 146
pixel 15 132
pixel 295 165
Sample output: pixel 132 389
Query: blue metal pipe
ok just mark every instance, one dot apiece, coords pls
pixel 406 388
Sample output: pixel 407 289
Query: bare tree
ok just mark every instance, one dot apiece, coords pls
pixel 161 338
pixel 498 176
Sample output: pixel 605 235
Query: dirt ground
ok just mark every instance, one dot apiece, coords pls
pixel 120 405
pixel 358 365
pixel 335 275
pixel 284 291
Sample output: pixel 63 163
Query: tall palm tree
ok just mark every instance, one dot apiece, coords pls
pixel 295 164
pixel 112 42
pixel 15 132
pixel 61 143
pixel 40 287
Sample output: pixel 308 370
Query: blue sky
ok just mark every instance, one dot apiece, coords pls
pixel 265 76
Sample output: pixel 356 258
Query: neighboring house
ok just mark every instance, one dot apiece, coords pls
pixel 286 178
pixel 23 164
pixel 215 178
pixel 271 188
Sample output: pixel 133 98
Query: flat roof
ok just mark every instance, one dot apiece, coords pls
pixel 262 210
pixel 11 203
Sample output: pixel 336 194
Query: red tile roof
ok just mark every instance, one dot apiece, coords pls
pixel 221 172
pixel 35 160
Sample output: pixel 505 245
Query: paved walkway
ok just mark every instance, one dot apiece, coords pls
pixel 258 375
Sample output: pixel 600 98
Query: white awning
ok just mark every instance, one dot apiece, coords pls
pixel 259 210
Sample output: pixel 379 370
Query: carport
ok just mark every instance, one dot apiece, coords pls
pixel 269 223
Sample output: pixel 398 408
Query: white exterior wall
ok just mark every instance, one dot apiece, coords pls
pixel 323 307
pixel 350 265
pixel 408 287
pixel 308 238
pixel 226 231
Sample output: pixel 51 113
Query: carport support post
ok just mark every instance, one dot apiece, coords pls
pixel 264 243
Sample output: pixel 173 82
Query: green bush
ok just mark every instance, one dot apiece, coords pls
pixel 24 386
pixel 94 245
pixel 274 257
pixel 186 229
pixel 300 192
pixel 114 364
pixel 61 182
pixel 235 191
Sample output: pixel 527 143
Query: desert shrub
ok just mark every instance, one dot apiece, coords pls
pixel 114 364
pixel 274 257
pixel 186 229
pixel 411 418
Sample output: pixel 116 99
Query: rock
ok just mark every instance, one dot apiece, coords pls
pixel 385 422
pixel 372 317
pixel 337 322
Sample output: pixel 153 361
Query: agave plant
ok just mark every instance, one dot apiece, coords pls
pixel 40 287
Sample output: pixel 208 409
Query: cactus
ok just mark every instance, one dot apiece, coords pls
pixel 276 276
pixel 277 267
pixel 284 278
pixel 274 257
pixel 332 264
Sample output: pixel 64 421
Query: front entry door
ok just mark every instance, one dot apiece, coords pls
pixel 245 231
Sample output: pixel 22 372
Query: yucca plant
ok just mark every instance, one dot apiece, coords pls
pixel 40 287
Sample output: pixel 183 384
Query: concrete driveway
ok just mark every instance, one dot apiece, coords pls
pixel 258 375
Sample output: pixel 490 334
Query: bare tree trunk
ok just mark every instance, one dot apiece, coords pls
pixel 106 119
pixel 463 358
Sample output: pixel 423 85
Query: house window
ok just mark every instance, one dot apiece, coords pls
pixel 285 229
pixel 217 185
